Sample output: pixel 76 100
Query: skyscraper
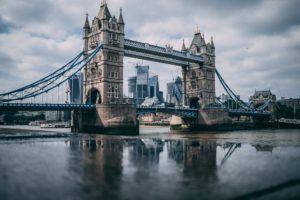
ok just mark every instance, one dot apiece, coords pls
pixel 76 89
pixel 143 85
pixel 174 92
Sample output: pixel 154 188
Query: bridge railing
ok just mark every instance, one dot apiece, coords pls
pixel 43 107
pixel 162 51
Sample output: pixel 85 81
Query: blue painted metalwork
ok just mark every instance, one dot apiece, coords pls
pixel 178 111
pixel 155 53
pixel 246 110
pixel 249 113
pixel 44 107
pixel 51 81
pixel 141 110
pixel 232 95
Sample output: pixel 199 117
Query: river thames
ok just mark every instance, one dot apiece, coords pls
pixel 157 164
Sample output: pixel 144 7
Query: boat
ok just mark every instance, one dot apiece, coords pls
pixel 56 125
pixel 36 123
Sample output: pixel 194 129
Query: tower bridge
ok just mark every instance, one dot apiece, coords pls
pixel 101 61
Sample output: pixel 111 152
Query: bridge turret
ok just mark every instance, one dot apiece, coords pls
pixel 104 12
pixel 86 31
pixel 212 42
pixel 121 22
pixel 213 56
pixel 183 48
pixel 104 16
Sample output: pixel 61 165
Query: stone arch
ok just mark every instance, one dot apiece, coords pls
pixel 93 97
pixel 194 102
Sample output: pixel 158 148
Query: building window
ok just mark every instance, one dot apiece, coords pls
pixel 115 37
pixel 116 91
pixel 193 85
pixel 109 91
pixel 193 74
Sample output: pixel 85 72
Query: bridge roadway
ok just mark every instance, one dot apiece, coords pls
pixel 155 53
pixel 44 107
pixel 236 113
pixel 141 110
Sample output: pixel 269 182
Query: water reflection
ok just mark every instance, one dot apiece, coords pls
pixel 109 163
pixel 229 148
pixel 198 157
pixel 145 150
pixel 101 166
pixel 110 167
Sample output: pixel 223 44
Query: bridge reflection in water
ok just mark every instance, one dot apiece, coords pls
pixel 214 166
pixel 130 167
pixel 156 163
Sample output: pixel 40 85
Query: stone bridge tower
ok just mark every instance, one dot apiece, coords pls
pixel 200 80
pixel 103 78
pixel 199 85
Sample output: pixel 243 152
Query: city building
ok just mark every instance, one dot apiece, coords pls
pixel 261 97
pixel 291 102
pixel 174 92
pixel 144 85
pixel 76 89
pixel 224 98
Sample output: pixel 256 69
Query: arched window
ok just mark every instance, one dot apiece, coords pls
pixel 193 74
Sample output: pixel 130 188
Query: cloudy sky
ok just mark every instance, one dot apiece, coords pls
pixel 257 42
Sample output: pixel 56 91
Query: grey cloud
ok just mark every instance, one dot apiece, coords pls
pixel 23 13
pixel 273 17
pixel 5 26
pixel 237 27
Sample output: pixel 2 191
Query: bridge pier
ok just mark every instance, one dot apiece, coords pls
pixel 108 119
pixel 208 119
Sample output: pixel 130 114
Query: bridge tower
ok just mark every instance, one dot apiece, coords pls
pixel 103 83
pixel 103 76
pixel 200 79
pixel 199 85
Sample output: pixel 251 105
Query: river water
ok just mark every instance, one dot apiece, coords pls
pixel 157 164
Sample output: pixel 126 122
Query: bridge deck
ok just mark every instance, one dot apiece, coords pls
pixel 155 53
pixel 179 111
pixel 141 110
pixel 44 107
pixel 248 113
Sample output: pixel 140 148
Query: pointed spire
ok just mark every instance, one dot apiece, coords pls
pixel 121 20
pixel 197 31
pixel 212 42
pixel 104 12
pixel 203 38
pixel 183 48
pixel 102 2
pixel 86 24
